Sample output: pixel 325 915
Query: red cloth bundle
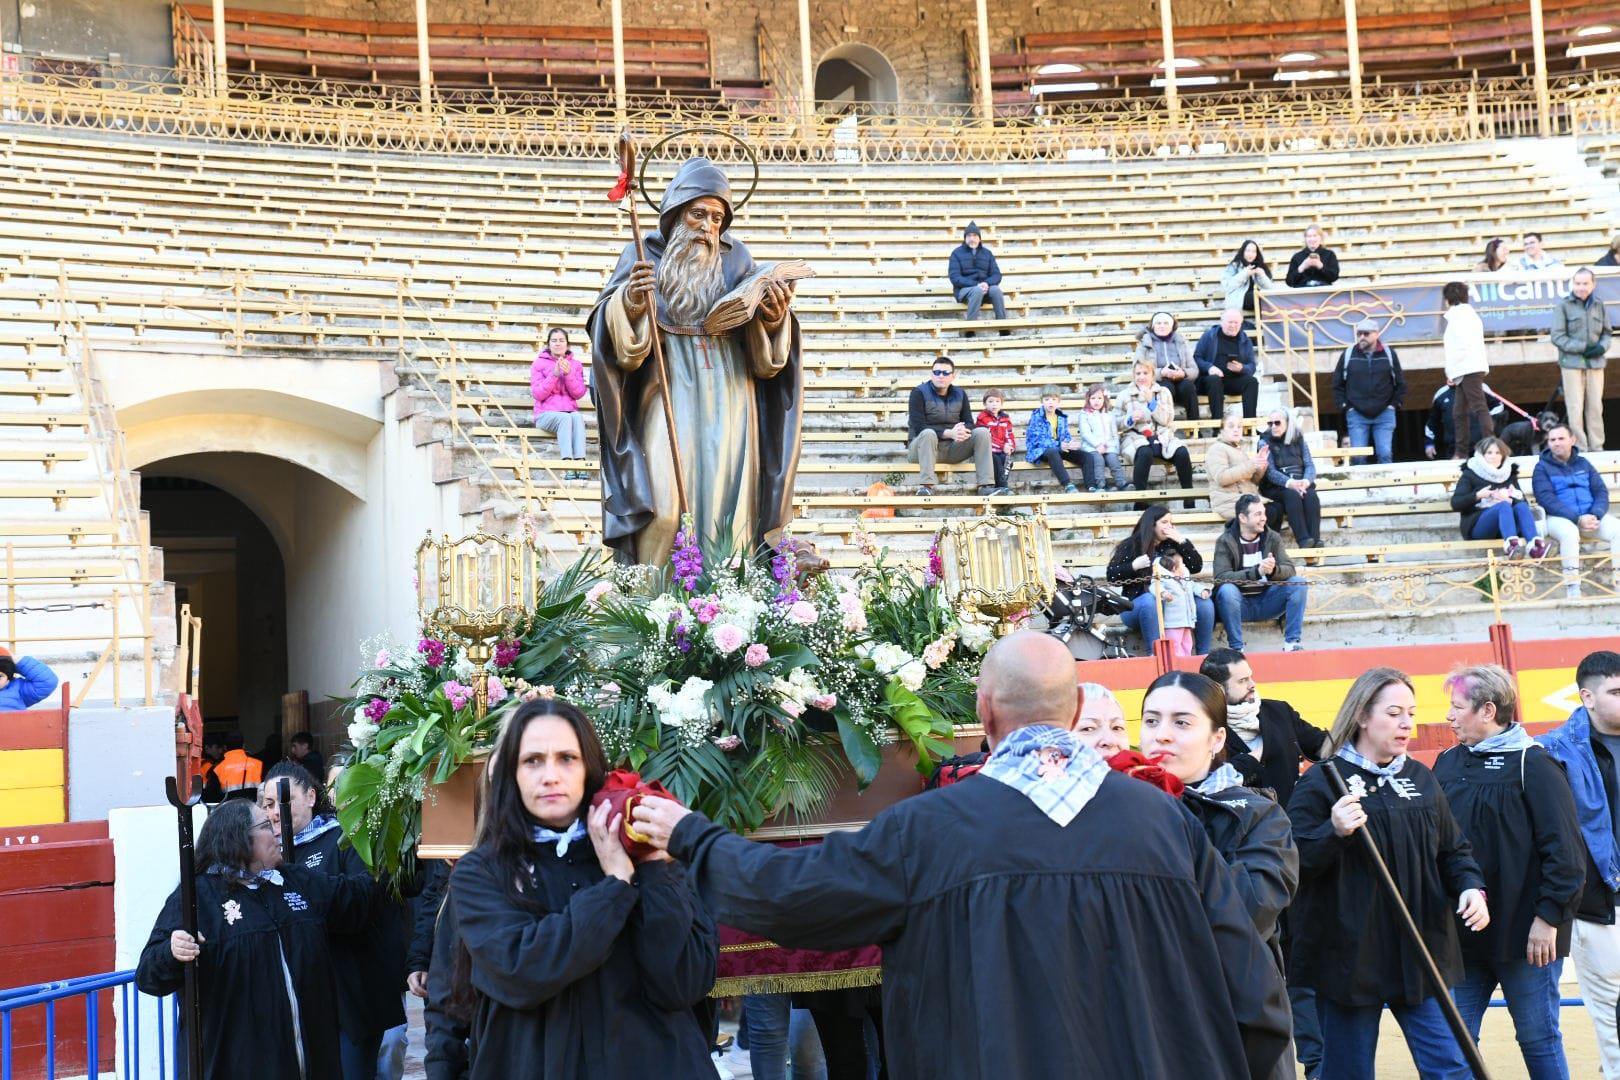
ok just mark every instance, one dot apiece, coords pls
pixel 1148 770
pixel 623 789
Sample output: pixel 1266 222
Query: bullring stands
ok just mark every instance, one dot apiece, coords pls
pixel 450 270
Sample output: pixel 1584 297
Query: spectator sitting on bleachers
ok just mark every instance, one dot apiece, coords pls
pixel 557 381
pixel 1146 414
pixel 1099 440
pixel 975 276
pixel 1047 441
pixel 1440 427
pixel 1491 503
pixel 1290 480
pixel 1232 470
pixel 1177 597
pixel 1496 256
pixel 1611 257
pixel 1003 438
pixel 1225 359
pixel 1466 368
pixel 1369 387
pixel 1534 256
pixel 1576 501
pixel 24 683
pixel 1255 579
pixel 1164 344
pixel 1313 265
pixel 939 426
pixel 1130 569
pixel 1246 273
pixel 1580 333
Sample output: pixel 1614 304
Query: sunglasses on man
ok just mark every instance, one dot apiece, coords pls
pixel 941 373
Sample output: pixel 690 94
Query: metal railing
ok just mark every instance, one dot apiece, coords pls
pixel 87 991
pixel 283 109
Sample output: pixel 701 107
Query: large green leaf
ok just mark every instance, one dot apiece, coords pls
pixel 863 753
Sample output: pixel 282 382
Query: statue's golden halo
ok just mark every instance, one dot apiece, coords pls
pixel 753 159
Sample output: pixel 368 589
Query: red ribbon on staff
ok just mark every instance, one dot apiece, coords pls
pixel 620 189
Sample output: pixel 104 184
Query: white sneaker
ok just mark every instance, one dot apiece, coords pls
pixel 1293 646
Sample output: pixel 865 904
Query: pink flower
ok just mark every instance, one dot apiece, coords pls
pixel 726 638
pixel 457 694
pixel 705 609
pixel 826 702
pixel 506 652
pixel 382 658
pixel 792 708
pixel 803 612
pixel 432 651
pixel 375 710
pixel 727 743
pixel 757 655
pixel 936 652
pixel 593 596
pixel 496 691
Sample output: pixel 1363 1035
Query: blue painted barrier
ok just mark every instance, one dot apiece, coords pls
pixel 88 990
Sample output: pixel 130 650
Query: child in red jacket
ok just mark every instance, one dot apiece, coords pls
pixel 1003 440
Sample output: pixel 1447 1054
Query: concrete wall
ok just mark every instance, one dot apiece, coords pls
pixel 923 39
pixel 117 758
pixel 147 868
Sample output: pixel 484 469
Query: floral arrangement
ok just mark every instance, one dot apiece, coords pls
pixel 743 689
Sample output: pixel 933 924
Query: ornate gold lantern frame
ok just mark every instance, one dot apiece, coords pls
pixel 475 590
pixel 997 566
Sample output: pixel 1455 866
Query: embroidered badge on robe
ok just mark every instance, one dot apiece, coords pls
pixel 1357 786
pixel 233 911
pixel 296 902
pixel 315 859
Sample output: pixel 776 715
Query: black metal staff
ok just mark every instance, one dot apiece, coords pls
pixel 284 803
pixel 1459 1030
pixel 190 999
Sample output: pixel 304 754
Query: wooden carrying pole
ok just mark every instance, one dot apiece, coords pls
pixel 1437 982
pixel 190 1002
pixel 627 169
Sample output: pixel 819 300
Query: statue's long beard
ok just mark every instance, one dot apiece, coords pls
pixel 689 278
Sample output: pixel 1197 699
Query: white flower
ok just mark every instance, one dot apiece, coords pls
pixel 889 657
pixel 977 636
pixel 362 732
pixel 742 611
pixel 912 674
pixel 684 709
pixel 659 611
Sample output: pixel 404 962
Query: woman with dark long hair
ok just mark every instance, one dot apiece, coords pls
pixel 1348 941
pixel 264 970
pixel 369 966
pixel 583 962
pixel 1244 275
pixel 1131 568
pixel 1184 730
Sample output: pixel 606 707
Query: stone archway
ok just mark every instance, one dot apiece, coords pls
pixel 856 73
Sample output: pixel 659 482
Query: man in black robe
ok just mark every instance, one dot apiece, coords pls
pixel 1044 917
pixel 735 396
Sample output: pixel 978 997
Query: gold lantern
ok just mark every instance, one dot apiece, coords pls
pixel 998 566
pixel 476 590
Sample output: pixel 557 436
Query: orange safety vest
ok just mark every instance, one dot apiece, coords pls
pixel 238 772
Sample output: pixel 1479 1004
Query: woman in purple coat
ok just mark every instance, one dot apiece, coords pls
pixel 558 382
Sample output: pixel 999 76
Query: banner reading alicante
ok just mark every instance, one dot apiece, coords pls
pixel 1326 318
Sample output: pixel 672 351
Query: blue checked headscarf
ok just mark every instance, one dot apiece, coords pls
pixel 1222 778
pixel 1050 767
pixel 1362 761
pixel 543 835
pixel 1507 741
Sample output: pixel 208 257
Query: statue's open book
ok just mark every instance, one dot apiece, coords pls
pixel 739 305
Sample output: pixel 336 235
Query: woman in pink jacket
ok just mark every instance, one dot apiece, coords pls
pixel 558 382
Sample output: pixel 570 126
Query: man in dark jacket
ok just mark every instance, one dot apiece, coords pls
pixel 1369 388
pixel 1025 869
pixel 1312 265
pixel 1439 428
pixel 1255 579
pixel 1266 739
pixel 939 426
pixel 1588 746
pixel 1225 359
pixel 1580 333
pixel 975 277
pixel 1576 501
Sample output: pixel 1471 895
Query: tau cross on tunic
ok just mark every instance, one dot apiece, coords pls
pixel 703 343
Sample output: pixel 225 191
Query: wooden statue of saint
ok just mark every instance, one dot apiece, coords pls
pixel 737 397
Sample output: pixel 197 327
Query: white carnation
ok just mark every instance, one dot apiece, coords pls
pixel 362 732
pixel 911 674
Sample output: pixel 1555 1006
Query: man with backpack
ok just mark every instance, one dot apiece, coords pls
pixel 1369 387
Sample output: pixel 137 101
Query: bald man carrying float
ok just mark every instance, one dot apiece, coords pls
pixel 1044 918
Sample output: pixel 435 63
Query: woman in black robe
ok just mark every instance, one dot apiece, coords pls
pixel 1184 730
pixel 1514 804
pixel 369 966
pixel 264 972
pixel 1349 944
pixel 583 963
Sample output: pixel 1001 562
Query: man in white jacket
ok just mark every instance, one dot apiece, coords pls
pixel 1466 368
